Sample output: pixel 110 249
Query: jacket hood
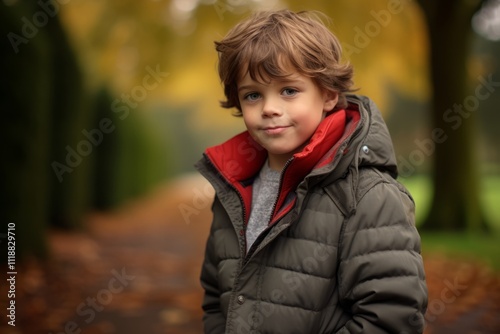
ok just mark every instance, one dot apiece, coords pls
pixel 374 144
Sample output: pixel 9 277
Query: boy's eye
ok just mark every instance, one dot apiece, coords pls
pixel 289 92
pixel 252 96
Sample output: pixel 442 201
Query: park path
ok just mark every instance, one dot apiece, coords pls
pixel 136 271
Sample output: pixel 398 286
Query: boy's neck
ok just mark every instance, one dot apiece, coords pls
pixel 277 162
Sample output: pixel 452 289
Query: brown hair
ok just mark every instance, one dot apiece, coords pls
pixel 267 41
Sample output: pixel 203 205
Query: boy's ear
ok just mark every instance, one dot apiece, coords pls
pixel 331 99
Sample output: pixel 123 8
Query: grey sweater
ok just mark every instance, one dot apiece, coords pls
pixel 264 194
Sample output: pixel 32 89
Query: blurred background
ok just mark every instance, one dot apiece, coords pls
pixel 108 104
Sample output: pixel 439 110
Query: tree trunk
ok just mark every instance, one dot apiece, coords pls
pixel 456 201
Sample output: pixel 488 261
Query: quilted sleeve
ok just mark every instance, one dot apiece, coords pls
pixel 213 319
pixel 381 275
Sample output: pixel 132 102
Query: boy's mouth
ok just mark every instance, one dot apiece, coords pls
pixel 274 130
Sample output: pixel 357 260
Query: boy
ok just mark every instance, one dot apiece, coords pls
pixel 311 232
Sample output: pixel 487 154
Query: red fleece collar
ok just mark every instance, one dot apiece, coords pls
pixel 241 157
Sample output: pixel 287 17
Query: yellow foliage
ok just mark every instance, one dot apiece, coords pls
pixel 135 35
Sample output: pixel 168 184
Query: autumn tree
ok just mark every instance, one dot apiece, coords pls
pixel 456 199
pixel 43 100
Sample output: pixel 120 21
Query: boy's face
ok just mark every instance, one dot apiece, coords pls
pixel 283 114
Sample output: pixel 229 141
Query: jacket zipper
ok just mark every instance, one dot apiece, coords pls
pixel 255 244
pixel 242 201
pixel 283 171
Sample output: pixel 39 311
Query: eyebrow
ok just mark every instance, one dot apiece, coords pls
pixel 245 87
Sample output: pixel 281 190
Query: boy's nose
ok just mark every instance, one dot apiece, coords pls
pixel 271 108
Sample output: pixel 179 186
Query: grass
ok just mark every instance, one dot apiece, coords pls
pixel 473 246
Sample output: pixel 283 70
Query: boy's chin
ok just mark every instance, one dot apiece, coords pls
pixel 284 153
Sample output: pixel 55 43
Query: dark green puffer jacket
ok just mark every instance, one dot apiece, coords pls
pixel 341 254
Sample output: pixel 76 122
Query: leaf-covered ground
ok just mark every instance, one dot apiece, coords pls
pixel 136 271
